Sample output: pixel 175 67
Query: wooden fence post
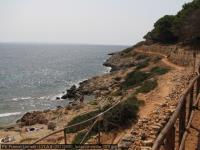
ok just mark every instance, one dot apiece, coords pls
pixel 65 136
pixel 190 102
pixel 170 139
pixel 197 89
pixel 99 133
pixel 182 117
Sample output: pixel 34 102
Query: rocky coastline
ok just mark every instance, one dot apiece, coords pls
pixel 72 94
pixel 105 89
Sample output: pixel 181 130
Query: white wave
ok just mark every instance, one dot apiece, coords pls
pixel 21 98
pixel 26 98
pixel 42 97
pixel 108 69
pixel 9 114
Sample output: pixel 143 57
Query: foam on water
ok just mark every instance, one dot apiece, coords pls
pixel 9 114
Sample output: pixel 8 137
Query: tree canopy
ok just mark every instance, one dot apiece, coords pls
pixel 183 27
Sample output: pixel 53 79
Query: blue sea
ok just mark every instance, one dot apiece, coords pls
pixel 32 75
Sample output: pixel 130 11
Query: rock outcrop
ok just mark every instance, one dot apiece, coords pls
pixel 32 118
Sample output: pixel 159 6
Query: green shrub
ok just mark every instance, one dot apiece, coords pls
pixel 141 56
pixel 122 115
pixel 147 86
pixel 142 64
pixel 81 118
pixel 80 135
pixel 84 117
pixel 172 28
pixel 157 59
pixel 159 70
pixel 127 50
pixel 134 78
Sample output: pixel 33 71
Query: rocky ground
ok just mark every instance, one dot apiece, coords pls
pixel 155 116
pixel 159 103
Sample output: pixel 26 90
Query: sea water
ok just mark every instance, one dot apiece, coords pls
pixel 31 75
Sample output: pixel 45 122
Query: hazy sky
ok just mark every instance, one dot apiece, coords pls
pixel 81 21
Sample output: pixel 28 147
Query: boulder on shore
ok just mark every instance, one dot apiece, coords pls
pixel 32 118
pixel 51 126
pixel 71 93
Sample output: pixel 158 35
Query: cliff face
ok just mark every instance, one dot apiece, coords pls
pixel 183 27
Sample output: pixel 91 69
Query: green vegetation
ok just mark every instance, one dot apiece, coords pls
pixel 182 27
pixel 142 64
pixel 159 70
pixel 81 118
pixel 134 78
pixel 127 50
pixel 80 135
pixel 156 59
pixel 147 86
pixel 141 56
pixel 162 31
pixel 122 115
pixel 137 77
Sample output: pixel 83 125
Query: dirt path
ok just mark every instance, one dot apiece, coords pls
pixel 156 97
pixel 157 103
pixel 164 60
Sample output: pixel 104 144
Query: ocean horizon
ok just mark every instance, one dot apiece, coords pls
pixel 32 75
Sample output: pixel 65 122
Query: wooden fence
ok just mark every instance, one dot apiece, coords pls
pixel 92 121
pixel 181 119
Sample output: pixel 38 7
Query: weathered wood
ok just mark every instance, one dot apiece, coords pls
pixel 189 125
pixel 90 129
pixel 198 87
pixel 182 117
pixel 99 132
pixel 179 112
pixel 190 103
pixel 170 140
pixel 65 136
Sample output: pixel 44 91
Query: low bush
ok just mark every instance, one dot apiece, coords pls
pixel 159 70
pixel 157 59
pixel 142 64
pixel 135 78
pixel 141 56
pixel 122 115
pixel 80 135
pixel 147 86
pixel 79 119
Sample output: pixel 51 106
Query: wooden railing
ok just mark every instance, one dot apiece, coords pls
pixel 181 119
pixel 92 121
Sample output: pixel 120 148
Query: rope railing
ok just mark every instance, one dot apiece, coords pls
pixel 184 115
pixel 97 118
